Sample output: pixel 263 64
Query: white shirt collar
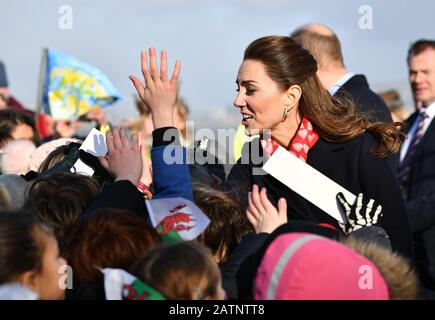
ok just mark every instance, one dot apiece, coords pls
pixel 333 90
pixel 430 110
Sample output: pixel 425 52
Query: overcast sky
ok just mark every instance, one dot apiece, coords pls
pixel 207 36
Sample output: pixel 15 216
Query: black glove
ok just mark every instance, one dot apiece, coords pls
pixel 363 213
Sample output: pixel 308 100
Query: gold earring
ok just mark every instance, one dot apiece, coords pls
pixel 285 114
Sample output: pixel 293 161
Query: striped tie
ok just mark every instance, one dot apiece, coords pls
pixel 403 171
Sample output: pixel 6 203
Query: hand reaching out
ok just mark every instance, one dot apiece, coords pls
pixel 363 213
pixel 159 92
pixel 123 159
pixel 262 214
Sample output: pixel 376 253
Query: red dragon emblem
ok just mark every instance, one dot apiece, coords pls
pixel 130 293
pixel 177 221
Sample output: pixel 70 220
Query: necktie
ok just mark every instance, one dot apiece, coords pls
pixel 403 171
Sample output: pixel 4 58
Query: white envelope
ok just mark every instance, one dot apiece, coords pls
pixel 95 144
pixel 308 182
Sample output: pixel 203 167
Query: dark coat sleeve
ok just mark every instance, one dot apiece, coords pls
pixel 378 181
pixel 249 244
pixel 366 101
pixel 421 205
pixel 119 195
pixel 238 183
pixel 421 212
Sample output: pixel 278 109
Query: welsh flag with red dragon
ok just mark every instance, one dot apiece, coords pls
pixel 121 285
pixel 176 219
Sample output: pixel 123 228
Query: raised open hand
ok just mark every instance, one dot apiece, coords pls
pixel 159 92
pixel 262 214
pixel 363 213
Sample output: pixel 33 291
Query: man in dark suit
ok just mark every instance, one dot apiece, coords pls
pixel 325 46
pixel 416 172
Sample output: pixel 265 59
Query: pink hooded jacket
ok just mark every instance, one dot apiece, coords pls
pixel 302 266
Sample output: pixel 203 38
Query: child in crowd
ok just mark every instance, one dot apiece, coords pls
pixel 59 199
pixel 181 271
pixel 307 266
pixel 29 255
pixel 107 238
pixel 228 223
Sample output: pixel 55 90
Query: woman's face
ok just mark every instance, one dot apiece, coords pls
pixel 259 98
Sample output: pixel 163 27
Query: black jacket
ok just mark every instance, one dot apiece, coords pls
pixel 420 197
pixel 119 195
pixel 357 88
pixel 365 99
pixel 349 164
pixel 229 269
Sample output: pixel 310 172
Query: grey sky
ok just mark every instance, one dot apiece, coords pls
pixel 208 36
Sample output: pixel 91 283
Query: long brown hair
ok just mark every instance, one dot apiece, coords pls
pixel 335 119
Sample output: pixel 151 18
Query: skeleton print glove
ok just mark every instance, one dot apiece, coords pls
pixel 363 213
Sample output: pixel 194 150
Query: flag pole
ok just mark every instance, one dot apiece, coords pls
pixel 41 84
pixel 39 122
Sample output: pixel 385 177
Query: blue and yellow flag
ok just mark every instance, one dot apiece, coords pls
pixel 73 87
